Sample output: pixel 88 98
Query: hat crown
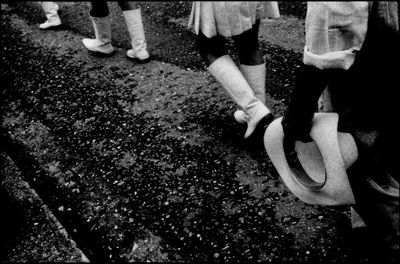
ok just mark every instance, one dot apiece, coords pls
pixel 348 149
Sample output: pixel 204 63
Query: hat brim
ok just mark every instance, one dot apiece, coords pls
pixel 320 158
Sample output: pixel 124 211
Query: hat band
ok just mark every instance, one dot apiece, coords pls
pixel 301 175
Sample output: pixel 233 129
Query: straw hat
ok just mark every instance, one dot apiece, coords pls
pixel 319 174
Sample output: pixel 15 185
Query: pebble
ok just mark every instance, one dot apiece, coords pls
pixel 135 246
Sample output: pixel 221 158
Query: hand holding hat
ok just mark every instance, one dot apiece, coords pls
pixel 324 161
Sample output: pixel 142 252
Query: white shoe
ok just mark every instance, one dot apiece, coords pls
pixel 140 55
pixel 50 23
pixel 96 45
pixel 134 23
pixel 51 11
pixel 102 31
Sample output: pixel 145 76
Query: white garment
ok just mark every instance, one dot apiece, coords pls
pixel 335 31
pixel 229 18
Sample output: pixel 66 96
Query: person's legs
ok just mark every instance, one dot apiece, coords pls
pixel 210 48
pixel 128 5
pixel 252 66
pixel 247 46
pixel 310 82
pixel 225 71
pixel 377 197
pixel 51 11
pixel 99 16
pixel 133 19
pixel 99 8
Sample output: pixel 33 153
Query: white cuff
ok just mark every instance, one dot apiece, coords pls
pixel 330 60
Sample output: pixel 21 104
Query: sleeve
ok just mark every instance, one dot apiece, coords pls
pixel 335 31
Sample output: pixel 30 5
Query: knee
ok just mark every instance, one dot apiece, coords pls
pixel 248 48
pixel 210 48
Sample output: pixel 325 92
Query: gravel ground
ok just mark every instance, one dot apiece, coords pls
pixel 143 162
pixel 29 231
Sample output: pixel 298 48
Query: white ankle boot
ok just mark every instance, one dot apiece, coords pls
pixel 255 76
pixel 51 11
pixel 102 31
pixel 231 79
pixel 133 20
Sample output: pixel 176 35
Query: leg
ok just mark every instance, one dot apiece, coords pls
pixel 297 120
pixel 247 46
pixel 133 19
pixel 252 66
pixel 225 71
pixel 377 196
pixel 127 5
pixel 99 9
pixel 211 48
pixel 99 16
pixel 51 11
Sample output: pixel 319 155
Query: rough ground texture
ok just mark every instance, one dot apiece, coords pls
pixel 29 231
pixel 144 162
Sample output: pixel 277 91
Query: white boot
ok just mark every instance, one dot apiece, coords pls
pixel 133 20
pixel 51 11
pixel 102 31
pixel 255 76
pixel 231 79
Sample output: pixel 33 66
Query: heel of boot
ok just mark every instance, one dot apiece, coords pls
pixel 256 139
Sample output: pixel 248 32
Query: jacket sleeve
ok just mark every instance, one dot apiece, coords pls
pixel 335 31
